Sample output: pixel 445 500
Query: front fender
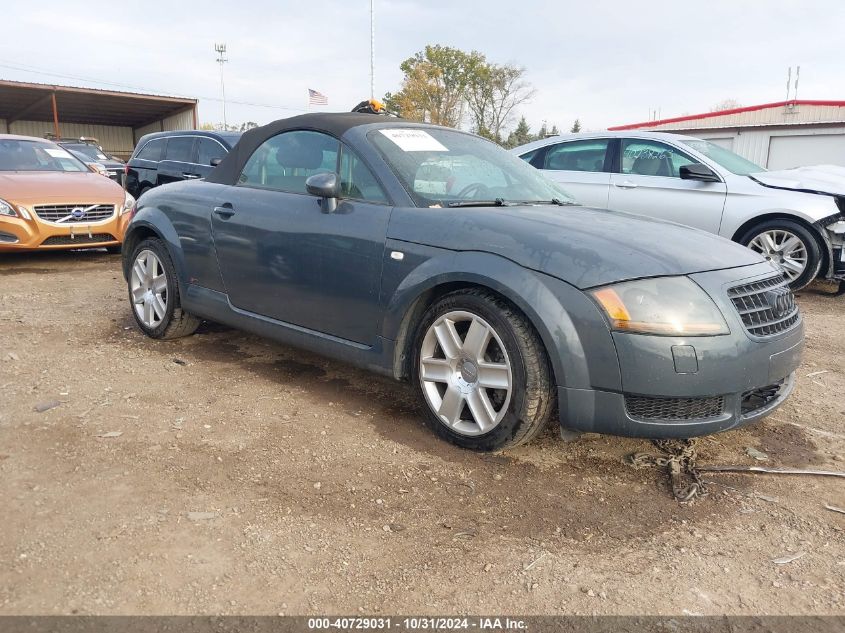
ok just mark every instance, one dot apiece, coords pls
pixel 148 220
pixel 574 333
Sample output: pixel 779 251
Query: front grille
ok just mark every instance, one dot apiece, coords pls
pixel 70 213
pixel 759 398
pixel 81 239
pixel 647 408
pixel 767 307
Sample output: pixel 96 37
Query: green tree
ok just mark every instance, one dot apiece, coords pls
pixel 448 86
pixel 576 127
pixel 434 85
pixel 520 135
pixel 554 131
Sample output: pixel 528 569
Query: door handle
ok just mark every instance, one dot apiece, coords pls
pixel 224 212
pixel 626 184
pixel 190 176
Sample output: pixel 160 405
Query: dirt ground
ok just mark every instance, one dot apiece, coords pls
pixel 224 474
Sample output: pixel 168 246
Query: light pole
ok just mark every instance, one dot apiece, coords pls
pixel 372 50
pixel 221 59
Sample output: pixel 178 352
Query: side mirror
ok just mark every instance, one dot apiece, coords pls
pixel 98 168
pixel 215 161
pixel 697 171
pixel 325 186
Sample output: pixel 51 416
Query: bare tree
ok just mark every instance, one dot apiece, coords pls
pixel 726 104
pixel 493 93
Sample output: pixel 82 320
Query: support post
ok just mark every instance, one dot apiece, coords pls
pixel 55 116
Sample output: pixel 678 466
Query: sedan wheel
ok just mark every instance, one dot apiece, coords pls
pixel 790 245
pixel 783 248
pixel 482 371
pixel 465 372
pixel 148 286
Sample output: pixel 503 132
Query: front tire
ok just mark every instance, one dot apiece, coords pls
pixel 154 293
pixel 482 372
pixel 789 244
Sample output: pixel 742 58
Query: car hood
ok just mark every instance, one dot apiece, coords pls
pixel 823 179
pixel 33 187
pixel 582 246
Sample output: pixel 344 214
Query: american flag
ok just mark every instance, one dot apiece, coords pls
pixel 317 98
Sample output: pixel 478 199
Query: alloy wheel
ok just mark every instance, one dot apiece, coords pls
pixel 465 373
pixel 148 284
pixel 783 248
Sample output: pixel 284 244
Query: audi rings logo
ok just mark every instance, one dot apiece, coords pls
pixel 780 301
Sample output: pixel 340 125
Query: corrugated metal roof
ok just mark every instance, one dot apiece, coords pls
pixel 32 102
pixel 795 112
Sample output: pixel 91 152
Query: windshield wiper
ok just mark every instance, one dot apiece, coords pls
pixel 555 201
pixel 497 202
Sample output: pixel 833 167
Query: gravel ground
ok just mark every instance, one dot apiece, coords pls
pixel 223 473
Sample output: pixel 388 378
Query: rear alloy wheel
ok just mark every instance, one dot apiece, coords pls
pixel 482 371
pixel 154 293
pixel 789 245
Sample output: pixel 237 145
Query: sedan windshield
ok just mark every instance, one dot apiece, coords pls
pixel 91 151
pixel 440 167
pixel 724 157
pixel 18 155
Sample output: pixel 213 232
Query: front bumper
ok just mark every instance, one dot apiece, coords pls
pixel 689 386
pixel 20 234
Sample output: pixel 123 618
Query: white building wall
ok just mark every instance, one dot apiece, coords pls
pixel 183 121
pixel 113 139
pixel 754 143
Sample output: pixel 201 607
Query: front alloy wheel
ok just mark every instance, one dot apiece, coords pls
pixel 482 371
pixel 465 372
pixel 790 245
pixel 783 248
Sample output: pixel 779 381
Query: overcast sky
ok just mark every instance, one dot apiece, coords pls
pixel 605 63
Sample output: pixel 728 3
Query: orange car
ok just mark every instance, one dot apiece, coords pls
pixel 51 200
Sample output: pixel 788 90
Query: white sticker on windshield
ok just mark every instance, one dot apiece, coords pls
pixel 57 153
pixel 414 140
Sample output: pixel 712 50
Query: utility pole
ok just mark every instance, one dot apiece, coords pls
pixel 221 59
pixel 372 50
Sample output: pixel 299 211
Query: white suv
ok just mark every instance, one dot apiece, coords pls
pixel 794 217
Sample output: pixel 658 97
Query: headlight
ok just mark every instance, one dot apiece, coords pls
pixel 7 209
pixel 128 203
pixel 668 306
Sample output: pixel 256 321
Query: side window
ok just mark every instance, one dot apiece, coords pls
pixel 207 150
pixel 652 158
pixel 528 157
pixel 152 150
pixel 586 155
pixel 180 148
pixel 356 179
pixel 285 161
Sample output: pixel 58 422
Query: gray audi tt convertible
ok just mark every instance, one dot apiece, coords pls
pixel 434 256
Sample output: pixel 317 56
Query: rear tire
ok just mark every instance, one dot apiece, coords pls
pixel 154 293
pixel 482 372
pixel 789 244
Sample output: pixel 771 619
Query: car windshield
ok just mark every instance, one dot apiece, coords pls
pixel 17 155
pixel 440 167
pixel 91 151
pixel 724 157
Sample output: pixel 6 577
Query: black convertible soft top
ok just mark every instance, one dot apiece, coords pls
pixel 336 124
